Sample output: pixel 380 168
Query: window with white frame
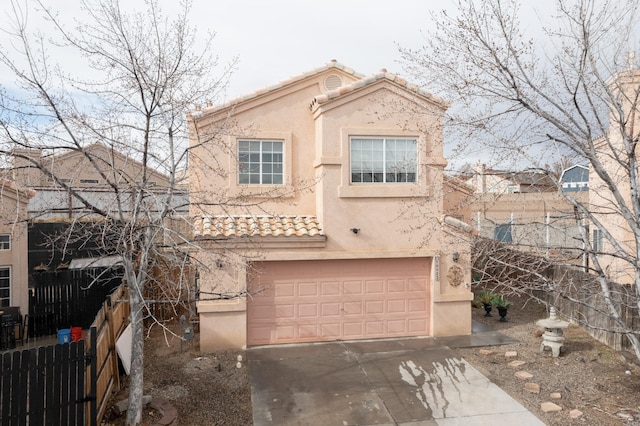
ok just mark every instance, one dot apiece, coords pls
pixel 260 162
pixel 5 242
pixel 597 240
pixel 5 286
pixel 383 160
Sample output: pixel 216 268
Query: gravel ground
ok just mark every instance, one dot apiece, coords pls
pixel 590 377
pixel 208 389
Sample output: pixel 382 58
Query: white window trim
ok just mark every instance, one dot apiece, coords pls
pixel 8 241
pixel 261 163
pixel 262 190
pixel 384 140
pixel 385 190
pixel 10 281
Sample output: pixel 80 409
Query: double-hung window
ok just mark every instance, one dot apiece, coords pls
pixel 5 286
pixel 260 162
pixel 383 160
pixel 5 242
pixel 597 240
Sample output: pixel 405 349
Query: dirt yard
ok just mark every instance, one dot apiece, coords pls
pixel 209 389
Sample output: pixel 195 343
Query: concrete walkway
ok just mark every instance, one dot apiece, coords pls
pixel 390 382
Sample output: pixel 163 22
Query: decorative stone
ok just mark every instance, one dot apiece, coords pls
pixel 523 375
pixel 550 407
pixel 532 387
pixel 511 354
pixel 574 414
pixel 552 337
pixel 486 352
pixel 556 395
pixel 516 363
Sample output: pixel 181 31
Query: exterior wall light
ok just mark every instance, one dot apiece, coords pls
pixel 355 230
pixel 455 256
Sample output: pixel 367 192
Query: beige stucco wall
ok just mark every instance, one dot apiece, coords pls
pixel 625 86
pixel 394 220
pixel 13 205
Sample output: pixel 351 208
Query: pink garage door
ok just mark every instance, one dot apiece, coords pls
pixel 310 301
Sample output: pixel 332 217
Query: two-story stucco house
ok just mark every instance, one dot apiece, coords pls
pixel 13 246
pixel 322 196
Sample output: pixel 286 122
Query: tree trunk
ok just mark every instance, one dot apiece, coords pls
pixel 136 378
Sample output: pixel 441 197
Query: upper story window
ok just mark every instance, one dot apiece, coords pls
pixel 597 240
pixel 5 242
pixel 383 160
pixel 5 286
pixel 260 162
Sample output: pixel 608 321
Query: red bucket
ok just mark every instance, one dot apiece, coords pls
pixel 76 334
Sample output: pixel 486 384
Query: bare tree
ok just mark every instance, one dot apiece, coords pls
pixel 573 89
pixel 140 74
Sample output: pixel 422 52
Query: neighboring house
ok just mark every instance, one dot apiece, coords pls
pixel 489 181
pixel 611 151
pixel 13 246
pixel 540 222
pixel 575 179
pixel 335 222
pixel 91 172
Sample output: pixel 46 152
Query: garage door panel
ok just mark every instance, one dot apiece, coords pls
pixel 396 286
pixel 375 287
pixel 285 332
pixel 307 310
pixel 396 306
pixel 417 326
pixel 308 332
pixel 330 331
pixel 353 308
pixel 330 288
pixel 285 289
pixel 352 330
pixel 281 311
pixel 352 288
pixel 374 328
pixel 330 309
pixel 308 289
pixel 419 305
pixel 375 307
pixel 396 327
pixel 306 301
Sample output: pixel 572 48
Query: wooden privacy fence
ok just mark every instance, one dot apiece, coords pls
pixel 575 294
pixel 67 298
pixel 578 296
pixel 45 386
pixel 65 384
pixel 109 324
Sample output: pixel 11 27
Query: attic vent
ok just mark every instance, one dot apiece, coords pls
pixel 332 82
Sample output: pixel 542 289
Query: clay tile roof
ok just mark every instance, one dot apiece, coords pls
pixel 370 79
pixel 257 226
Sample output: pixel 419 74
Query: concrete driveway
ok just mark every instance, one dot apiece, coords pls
pixel 390 382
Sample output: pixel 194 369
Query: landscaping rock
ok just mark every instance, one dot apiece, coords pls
pixel 574 414
pixel 516 364
pixel 511 354
pixel 486 352
pixel 556 395
pixel 532 387
pixel 523 375
pixel 550 407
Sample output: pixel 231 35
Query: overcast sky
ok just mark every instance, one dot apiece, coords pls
pixel 277 39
